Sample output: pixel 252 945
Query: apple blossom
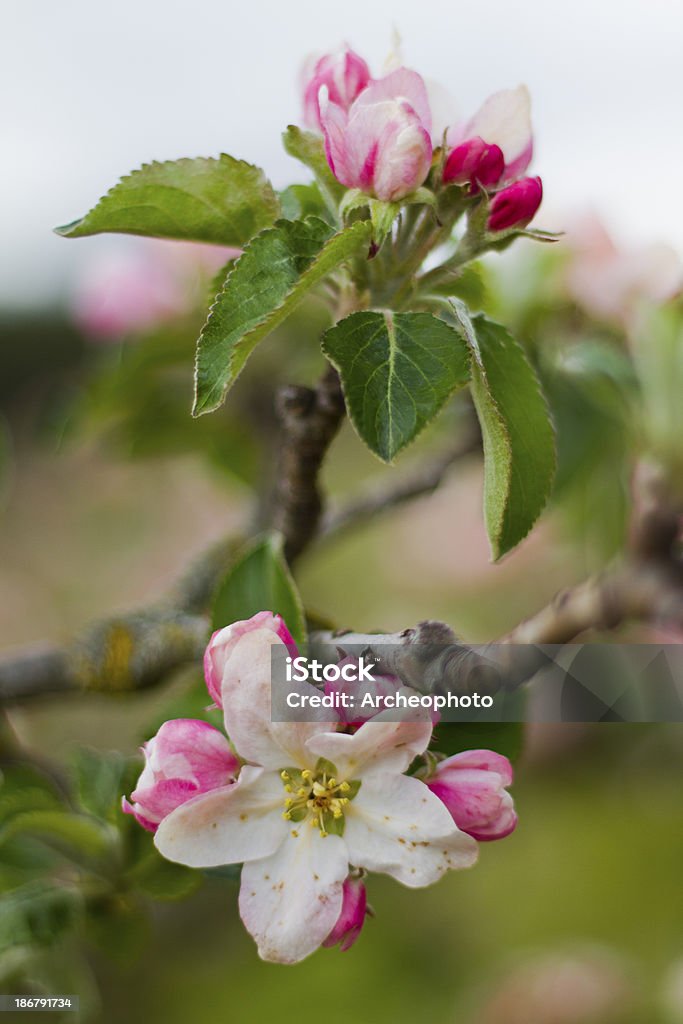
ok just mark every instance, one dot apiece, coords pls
pixel 382 144
pixel 472 786
pixel 222 644
pixel 136 290
pixel 310 802
pixel 126 293
pixel 185 758
pixel 515 205
pixel 352 916
pixel 612 281
pixel 344 74
pixel 503 120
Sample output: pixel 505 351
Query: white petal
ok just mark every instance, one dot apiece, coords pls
pixel 291 901
pixel 397 826
pixel 246 693
pixel 226 826
pixel 378 746
pixel 505 119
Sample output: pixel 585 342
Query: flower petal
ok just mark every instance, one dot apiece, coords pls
pixel 333 121
pixel 401 84
pixel 378 746
pixel 485 760
pixel 291 901
pixel 397 826
pixel 226 826
pixel 505 119
pixel 246 696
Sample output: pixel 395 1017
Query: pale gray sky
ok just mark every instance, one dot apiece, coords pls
pixel 90 90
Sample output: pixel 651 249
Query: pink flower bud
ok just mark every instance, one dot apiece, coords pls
pixel 474 162
pixel 187 757
pixel 472 786
pixel 515 205
pixel 382 145
pixel 352 917
pixel 344 74
pixel 222 644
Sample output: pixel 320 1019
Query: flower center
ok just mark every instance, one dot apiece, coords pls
pixel 318 796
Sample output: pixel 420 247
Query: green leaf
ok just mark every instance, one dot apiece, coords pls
pixel 162 880
pixel 309 149
pixel 519 438
pixel 466 283
pixel 299 201
pixel 76 832
pixel 101 779
pixel 225 201
pixel 37 914
pixel 25 788
pixel 271 277
pixel 397 370
pixel 260 581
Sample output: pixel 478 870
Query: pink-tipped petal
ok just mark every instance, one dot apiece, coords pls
pixel 403 85
pixel 222 643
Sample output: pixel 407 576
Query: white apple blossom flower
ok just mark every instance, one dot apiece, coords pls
pixel 309 803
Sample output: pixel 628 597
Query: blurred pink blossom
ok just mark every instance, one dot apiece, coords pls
pixel 586 987
pixel 611 281
pixel 135 290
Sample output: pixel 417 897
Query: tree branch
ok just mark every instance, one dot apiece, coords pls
pixel 379 499
pixel 117 655
pixel 310 420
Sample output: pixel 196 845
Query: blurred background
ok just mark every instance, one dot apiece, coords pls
pixel 108 489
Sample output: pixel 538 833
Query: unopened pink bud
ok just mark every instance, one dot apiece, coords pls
pixel 382 144
pixel 515 205
pixel 352 916
pixel 223 641
pixel 472 786
pixel 476 163
pixel 187 757
pixel 343 73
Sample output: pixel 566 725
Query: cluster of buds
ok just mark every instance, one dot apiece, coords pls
pixel 211 800
pixel 378 138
